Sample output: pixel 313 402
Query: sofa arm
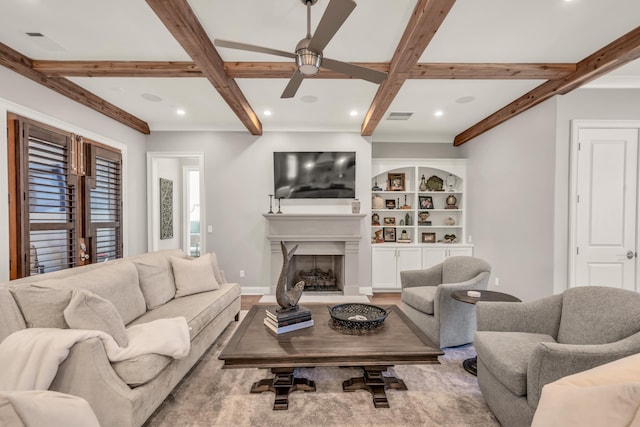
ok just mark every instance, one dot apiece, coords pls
pixel 428 277
pixel 87 373
pixel 540 317
pixel 552 361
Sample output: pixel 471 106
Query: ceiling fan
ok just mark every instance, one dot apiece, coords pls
pixel 308 53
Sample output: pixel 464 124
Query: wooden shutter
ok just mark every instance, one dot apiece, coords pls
pixel 47 199
pixel 103 202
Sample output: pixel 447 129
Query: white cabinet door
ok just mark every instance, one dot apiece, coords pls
pixel 460 252
pixel 408 259
pixel 433 256
pixel 384 271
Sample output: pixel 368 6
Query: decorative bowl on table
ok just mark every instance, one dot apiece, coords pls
pixel 357 315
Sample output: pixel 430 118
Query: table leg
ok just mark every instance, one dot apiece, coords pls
pixel 283 383
pixel 375 383
pixel 471 365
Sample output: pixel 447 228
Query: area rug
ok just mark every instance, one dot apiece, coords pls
pixel 437 395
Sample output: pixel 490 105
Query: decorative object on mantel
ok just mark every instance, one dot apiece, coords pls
pixel 449 221
pixel 434 183
pixel 279 211
pixel 423 184
pixel 451 181
pixel 377 202
pixel 270 203
pixel 451 202
pixel 355 206
pixel 286 297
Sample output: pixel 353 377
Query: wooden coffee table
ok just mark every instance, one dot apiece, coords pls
pixel 396 341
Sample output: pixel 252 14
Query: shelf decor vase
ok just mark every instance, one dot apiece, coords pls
pixel 451 202
pixel 377 202
pixel 423 184
pixel 355 206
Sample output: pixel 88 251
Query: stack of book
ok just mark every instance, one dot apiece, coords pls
pixel 281 322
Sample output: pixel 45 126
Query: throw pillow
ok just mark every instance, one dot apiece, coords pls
pixel 41 306
pixel 87 310
pixel 216 269
pixel 156 280
pixel 193 276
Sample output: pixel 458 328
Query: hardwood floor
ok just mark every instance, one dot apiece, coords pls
pixel 386 298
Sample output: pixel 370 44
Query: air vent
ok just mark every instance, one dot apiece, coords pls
pixel 35 34
pixel 399 116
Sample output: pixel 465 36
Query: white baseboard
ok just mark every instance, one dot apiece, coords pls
pixel 255 290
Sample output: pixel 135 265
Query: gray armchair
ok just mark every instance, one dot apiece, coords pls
pixel 426 298
pixel 523 346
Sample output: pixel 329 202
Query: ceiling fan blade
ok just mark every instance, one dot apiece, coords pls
pixel 252 48
pixel 294 84
pixel 353 70
pixel 334 16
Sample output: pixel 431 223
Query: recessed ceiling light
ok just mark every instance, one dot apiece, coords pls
pixel 180 112
pixel 267 112
pixel 151 97
pixel 465 99
pixel 353 113
pixel 438 113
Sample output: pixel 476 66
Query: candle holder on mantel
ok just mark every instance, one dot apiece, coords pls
pixel 279 211
pixel 270 204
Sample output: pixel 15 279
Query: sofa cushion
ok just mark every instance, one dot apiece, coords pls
pixel 156 279
pixel 193 276
pixel 420 297
pixel 11 319
pixel 87 310
pixel 507 354
pixel 118 283
pixel 142 369
pixel 598 315
pixel 41 306
pixel 199 309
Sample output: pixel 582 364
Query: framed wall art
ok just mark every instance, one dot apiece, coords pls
pixel 396 181
pixel 428 237
pixel 166 209
pixel 389 234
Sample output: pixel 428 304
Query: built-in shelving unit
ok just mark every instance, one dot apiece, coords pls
pixel 414 226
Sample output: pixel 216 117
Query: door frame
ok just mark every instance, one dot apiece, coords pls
pixel 152 203
pixel 576 126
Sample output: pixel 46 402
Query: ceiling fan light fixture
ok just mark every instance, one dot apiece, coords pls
pixel 308 61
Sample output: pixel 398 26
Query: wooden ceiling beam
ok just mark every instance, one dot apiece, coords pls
pixel 284 70
pixel 183 24
pixel 427 17
pixel 22 65
pixel 616 54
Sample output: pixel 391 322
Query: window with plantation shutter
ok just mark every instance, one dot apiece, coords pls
pixel 65 199
pixel 104 211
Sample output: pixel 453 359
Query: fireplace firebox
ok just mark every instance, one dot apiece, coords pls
pixel 320 273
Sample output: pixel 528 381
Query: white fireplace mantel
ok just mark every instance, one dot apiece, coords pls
pixel 327 233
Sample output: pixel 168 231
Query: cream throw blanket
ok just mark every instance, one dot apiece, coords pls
pixel 30 357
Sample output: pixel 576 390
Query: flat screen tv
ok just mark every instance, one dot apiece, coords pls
pixel 314 175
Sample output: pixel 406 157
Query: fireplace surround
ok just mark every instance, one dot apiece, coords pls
pixel 318 234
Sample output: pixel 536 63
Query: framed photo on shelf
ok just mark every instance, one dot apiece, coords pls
pixel 426 202
pixel 396 181
pixel 390 203
pixel 428 237
pixel 389 221
pixel 390 234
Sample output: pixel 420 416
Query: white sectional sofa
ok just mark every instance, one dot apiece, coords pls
pixel 142 289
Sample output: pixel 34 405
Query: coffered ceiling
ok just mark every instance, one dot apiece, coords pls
pixel 476 63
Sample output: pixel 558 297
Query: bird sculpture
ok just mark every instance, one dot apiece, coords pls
pixel 287 297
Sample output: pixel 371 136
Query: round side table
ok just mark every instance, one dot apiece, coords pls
pixel 471 365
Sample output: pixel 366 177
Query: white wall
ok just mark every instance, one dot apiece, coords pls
pixel 238 177
pixel 413 150
pixel 26 98
pixel 510 201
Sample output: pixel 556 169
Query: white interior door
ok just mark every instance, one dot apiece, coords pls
pixel 606 207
